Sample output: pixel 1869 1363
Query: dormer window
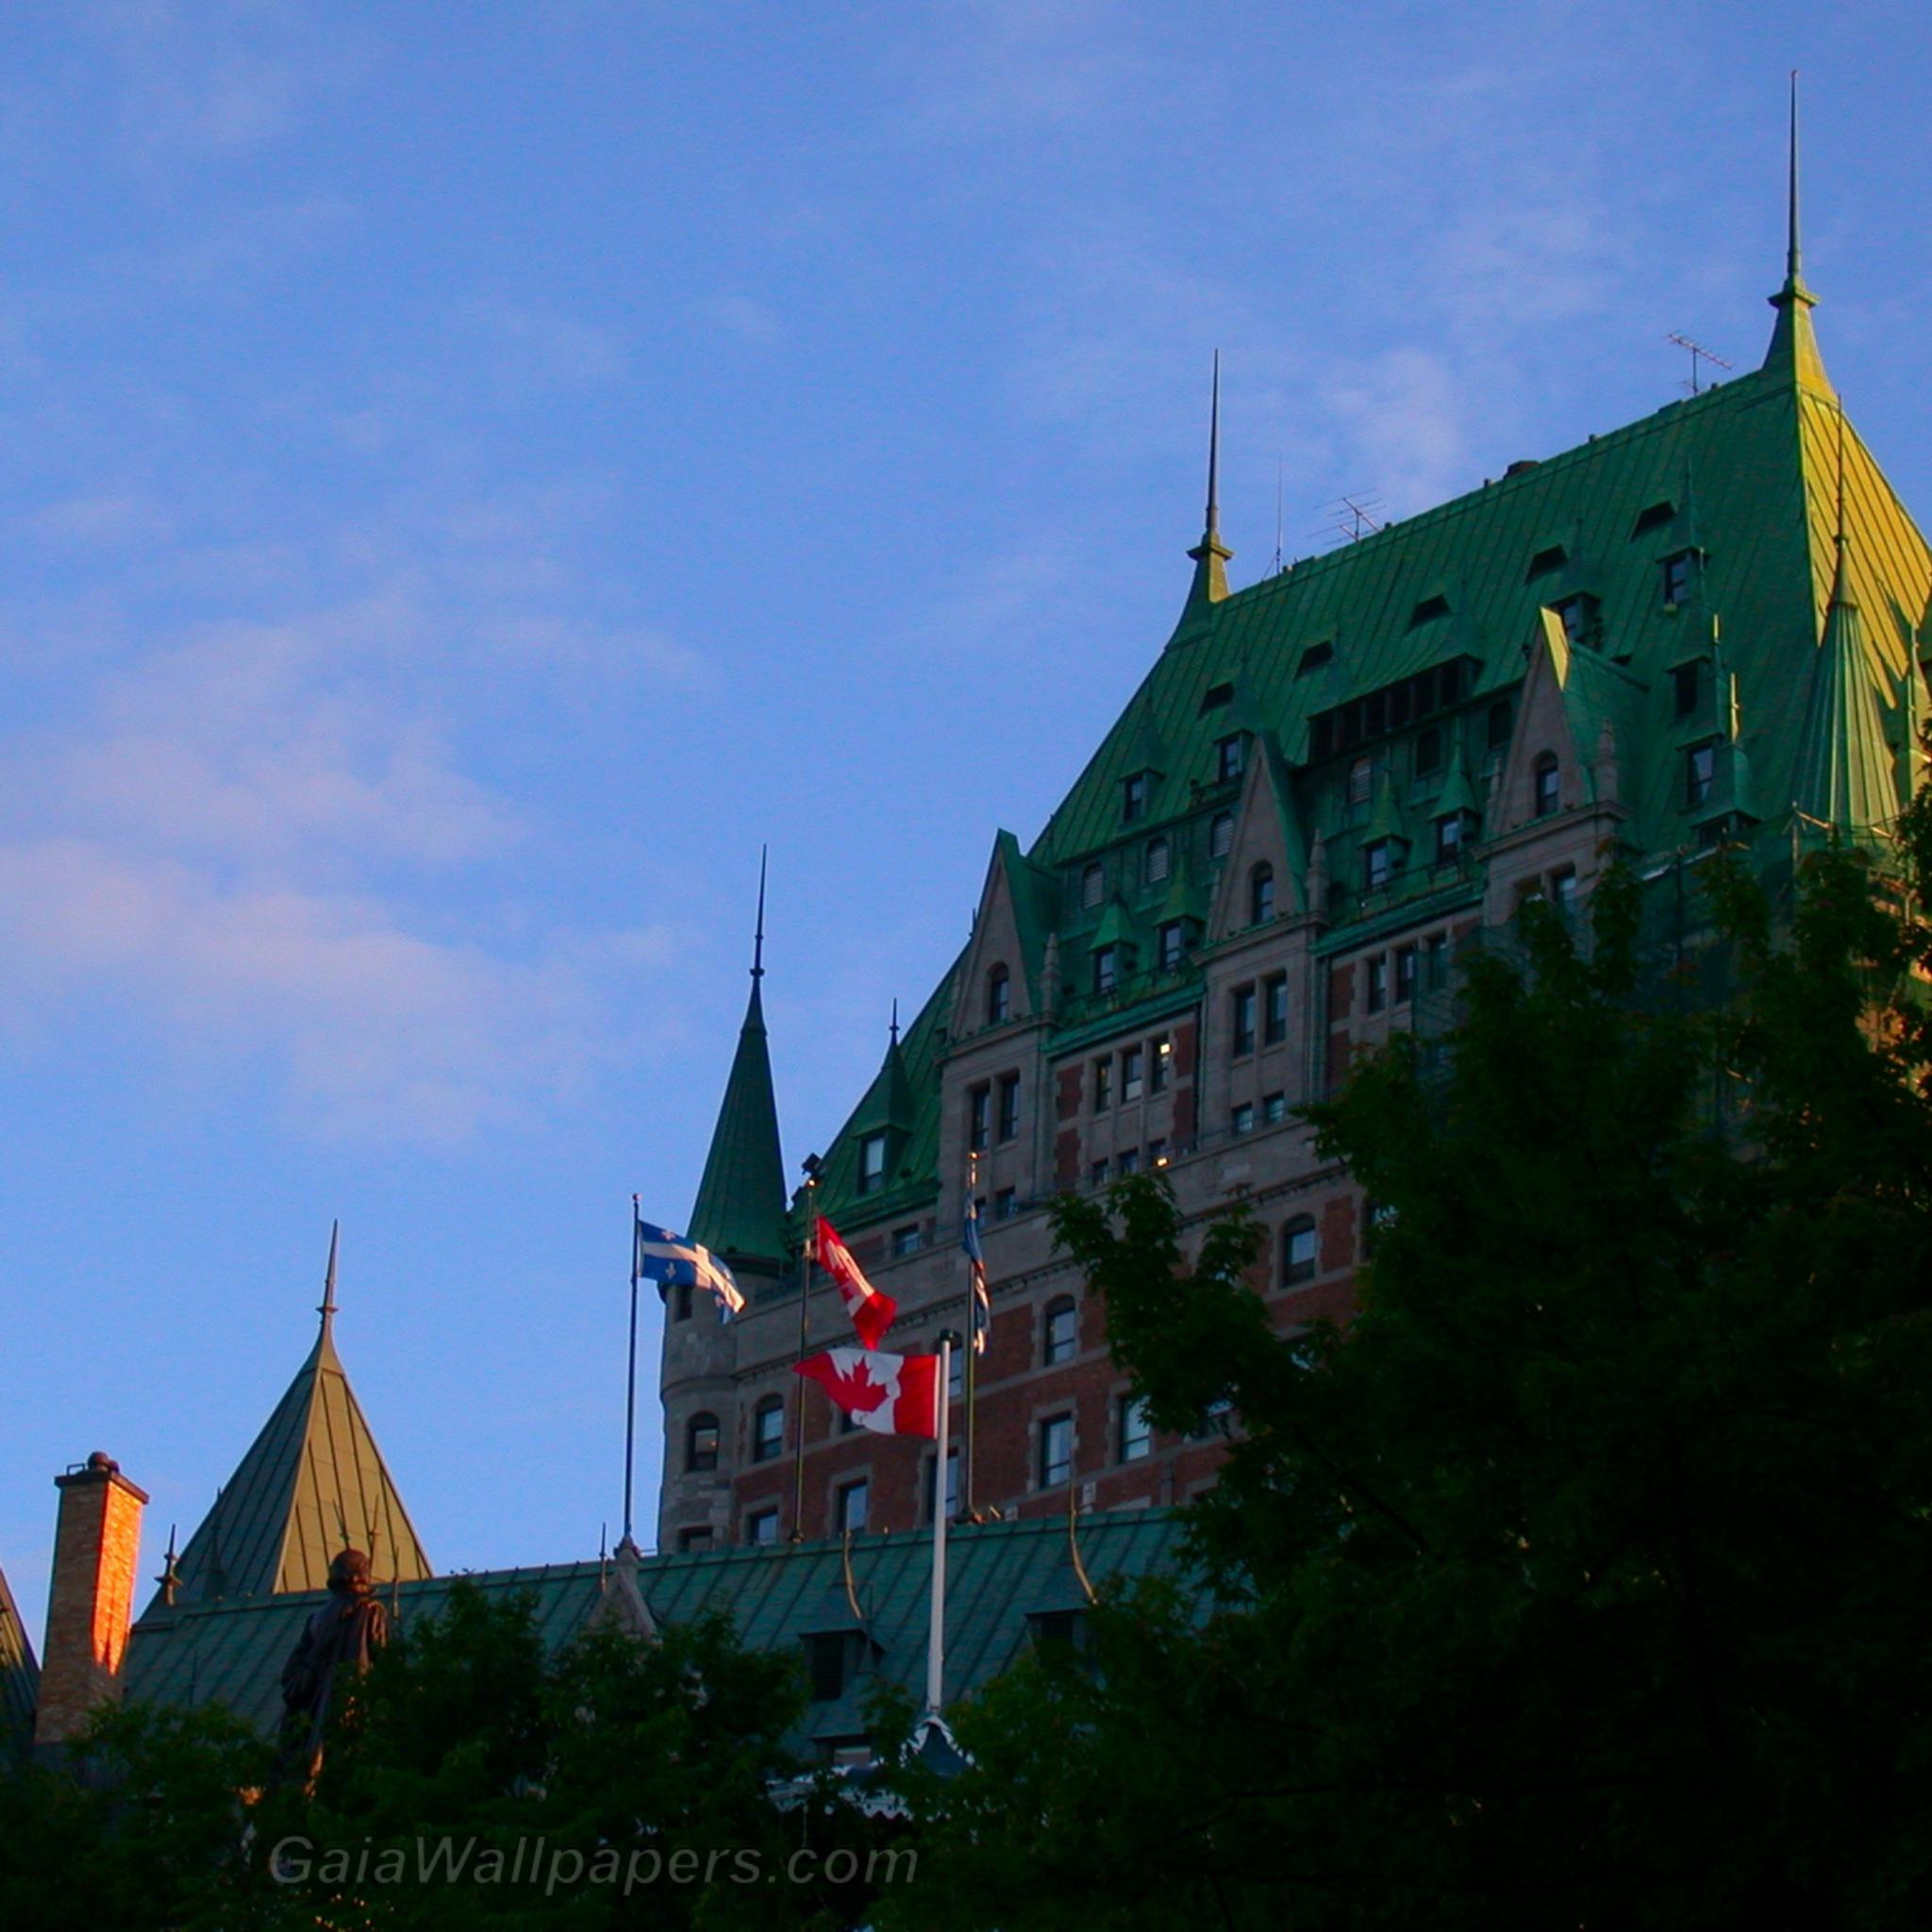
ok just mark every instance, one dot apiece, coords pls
pixel 1314 657
pixel 1092 887
pixel 1546 563
pixel 999 996
pixel 1680 577
pixel 1379 863
pixel 1230 758
pixel 1261 895
pixel 1700 773
pixel 1173 939
pixel 872 1163
pixel 1428 610
pixel 1221 835
pixel 1578 615
pixel 1362 779
pixel 1216 696
pixel 1653 517
pixel 1106 969
pixel 1134 797
pixel 1544 786
pixel 1154 861
pixel 1451 834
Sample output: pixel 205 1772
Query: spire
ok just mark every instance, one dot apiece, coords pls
pixel 1793 352
pixel 327 1308
pixel 740 1211
pixel 1210 555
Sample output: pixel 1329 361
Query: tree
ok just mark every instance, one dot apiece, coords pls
pixel 1580 1579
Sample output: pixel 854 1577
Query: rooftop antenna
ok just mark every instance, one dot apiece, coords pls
pixel 1355 515
pixel 1214 454
pixel 757 944
pixel 1698 353
pixel 1278 470
pixel 1792 277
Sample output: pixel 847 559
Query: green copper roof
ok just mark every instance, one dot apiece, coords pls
pixel 998 1574
pixel 740 1209
pixel 20 1679
pixel 1843 774
pixel 312 1482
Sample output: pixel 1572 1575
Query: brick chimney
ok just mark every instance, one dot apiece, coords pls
pixel 90 1602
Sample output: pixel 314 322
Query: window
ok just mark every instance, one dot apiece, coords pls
pixel 1229 756
pixel 699 1539
pixel 1405 974
pixel 1436 962
pixel 1010 1105
pixel 1428 751
pixel 1136 1433
pixel 1653 517
pixel 1379 982
pixel 979 1118
pixel 1092 887
pixel 952 1483
pixel 1361 780
pixel 1106 969
pixel 852 1501
pixel 1173 939
pixel 1156 1151
pixel 1096 1175
pixel 1578 615
pixel 1129 1161
pixel 1298 1251
pixel 1378 864
pixel 761 1527
pixel 1060 1336
pixel 1315 657
pixel 1221 835
pixel 1428 610
pixel 1563 891
pixel 1545 791
pixel 1546 562
pixel 831 1659
pixel 1496 727
pixel 1102 1084
pixel 1273 1109
pixel 1214 697
pixel 1244 1118
pixel 1006 1203
pixel 999 991
pixel 872 1163
pixel 768 1430
pixel 1687 688
pixel 1700 773
pixel 1154 861
pixel 848 1422
pixel 1055 1451
pixel 1261 895
pixel 1160 1052
pixel 1132 1062
pixel 1274 1008
pixel 700 1443
pixel 1134 797
pixel 1680 575
pixel 1244 1014
pixel 956 1373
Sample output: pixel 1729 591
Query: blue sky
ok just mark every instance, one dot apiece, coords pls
pixel 469 476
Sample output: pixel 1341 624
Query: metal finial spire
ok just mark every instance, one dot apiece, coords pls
pixel 1214 455
pixel 757 944
pixel 895 1022
pixel 1792 274
pixel 327 1310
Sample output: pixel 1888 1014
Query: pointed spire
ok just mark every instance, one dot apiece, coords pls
pixel 740 1211
pixel 1793 351
pixel 1210 555
pixel 169 1578
pixel 893 1029
pixel 327 1308
pixel 1912 761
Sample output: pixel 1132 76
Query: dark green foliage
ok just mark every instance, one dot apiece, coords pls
pixel 1582 1580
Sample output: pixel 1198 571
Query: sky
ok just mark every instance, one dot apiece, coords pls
pixel 470 476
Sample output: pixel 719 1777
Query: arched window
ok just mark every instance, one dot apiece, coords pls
pixel 1060 1334
pixel 1092 886
pixel 700 1443
pixel 999 988
pixel 768 1430
pixel 1261 895
pixel 1544 787
pixel 1298 1251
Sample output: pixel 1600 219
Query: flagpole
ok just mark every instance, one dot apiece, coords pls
pixel 936 1630
pixel 966 1506
pixel 630 1379
pixel 811 1237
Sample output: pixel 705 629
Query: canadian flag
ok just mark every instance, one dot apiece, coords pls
pixel 895 1395
pixel 871 1312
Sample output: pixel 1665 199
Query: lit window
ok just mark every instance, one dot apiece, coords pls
pixel 1275 1010
pixel 1156 1151
pixel 1700 773
pixel 768 1430
pixel 1244 1118
pixel 1174 944
pixel 1010 1105
pixel 1134 797
pixel 1379 982
pixel 1273 1109
pixel 1405 973
pixel 700 1443
pixel 1055 1451
pixel 1243 1013
pixel 1131 1064
pixel 999 988
pixel 1378 864
pixel 1298 1251
pixel 1092 887
pixel 1006 1203
pixel 761 1526
pixel 1221 835
pixel 1680 574
pixel 1228 758
pixel 1261 895
pixel 905 1240
pixel 1154 861
pixel 1544 796
pixel 1136 1433
pixel 852 1503
pixel 1160 1050
pixel 1061 1334
pixel 978 1119
pixel 1428 751
pixel 1102 1084
pixel 872 1163
pixel 1106 969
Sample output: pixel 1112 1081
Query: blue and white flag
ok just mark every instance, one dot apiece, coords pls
pixel 982 1301
pixel 680 1262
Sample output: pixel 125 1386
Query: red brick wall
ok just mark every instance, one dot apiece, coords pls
pixel 90 1602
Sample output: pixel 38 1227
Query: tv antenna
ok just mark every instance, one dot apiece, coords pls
pixel 1698 354
pixel 1353 516
pixel 1276 570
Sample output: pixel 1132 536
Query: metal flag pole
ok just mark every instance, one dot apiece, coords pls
pixel 966 1459
pixel 811 1237
pixel 630 1380
pixel 936 1633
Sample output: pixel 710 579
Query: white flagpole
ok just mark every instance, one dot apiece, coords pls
pixel 936 1639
